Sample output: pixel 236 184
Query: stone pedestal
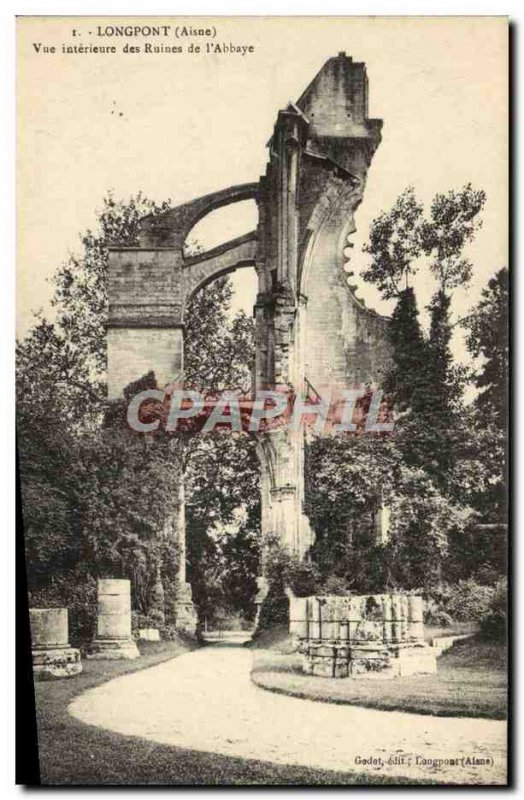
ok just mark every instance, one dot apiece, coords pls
pixel 157 602
pixel 113 636
pixel 186 616
pixel 373 636
pixel 53 657
pixel 149 634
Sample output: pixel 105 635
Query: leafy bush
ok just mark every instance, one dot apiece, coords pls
pixel 169 633
pixel 153 619
pixel 284 571
pixel 274 609
pixel 465 601
pixel 433 615
pixel 469 601
pixel 494 621
pixel 139 620
pixel 334 585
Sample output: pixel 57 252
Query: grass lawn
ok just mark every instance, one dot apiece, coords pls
pixel 471 682
pixel 73 753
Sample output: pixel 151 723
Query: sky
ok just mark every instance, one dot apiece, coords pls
pixel 181 125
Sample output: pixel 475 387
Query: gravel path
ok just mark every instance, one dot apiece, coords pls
pixel 204 700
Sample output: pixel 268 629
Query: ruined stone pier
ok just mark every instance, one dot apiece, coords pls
pixel 378 636
pixel 53 656
pixel 113 638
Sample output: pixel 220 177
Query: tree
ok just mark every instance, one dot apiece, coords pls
pixel 80 299
pixel 423 378
pixel 219 352
pixel 60 406
pixel 423 520
pixel 405 379
pixel 347 477
pixel 221 468
pixel 442 406
pixel 394 243
pixel 434 439
pixel 222 521
pixel 454 221
pixel 104 492
pixel 241 551
pixel 487 338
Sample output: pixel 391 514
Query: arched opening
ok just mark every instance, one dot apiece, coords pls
pixel 244 283
pixel 221 225
pixel 222 475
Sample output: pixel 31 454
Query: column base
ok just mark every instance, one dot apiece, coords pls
pixel 418 660
pixel 56 662
pixel 113 649
pixel 336 659
pixel 186 617
pixel 185 611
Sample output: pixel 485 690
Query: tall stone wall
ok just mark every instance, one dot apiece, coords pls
pixel 344 343
pixel 313 335
pixel 133 352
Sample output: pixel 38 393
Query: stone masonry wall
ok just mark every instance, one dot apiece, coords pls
pixel 133 352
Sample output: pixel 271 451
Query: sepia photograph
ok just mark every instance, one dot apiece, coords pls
pixel 262 389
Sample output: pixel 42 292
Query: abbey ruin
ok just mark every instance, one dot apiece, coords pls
pixel 312 333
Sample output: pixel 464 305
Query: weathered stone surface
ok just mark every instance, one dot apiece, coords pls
pixel 418 661
pixel 185 611
pixel 135 351
pixel 113 649
pixel 49 627
pixel 56 662
pixel 442 643
pixel 149 286
pixel 379 636
pixel 114 609
pixel 416 618
pixel 323 667
pixel 298 622
pixel 53 657
pixel 341 669
pixel 149 634
pixel 113 637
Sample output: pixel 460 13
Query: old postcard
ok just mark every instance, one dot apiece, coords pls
pixel 262 391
